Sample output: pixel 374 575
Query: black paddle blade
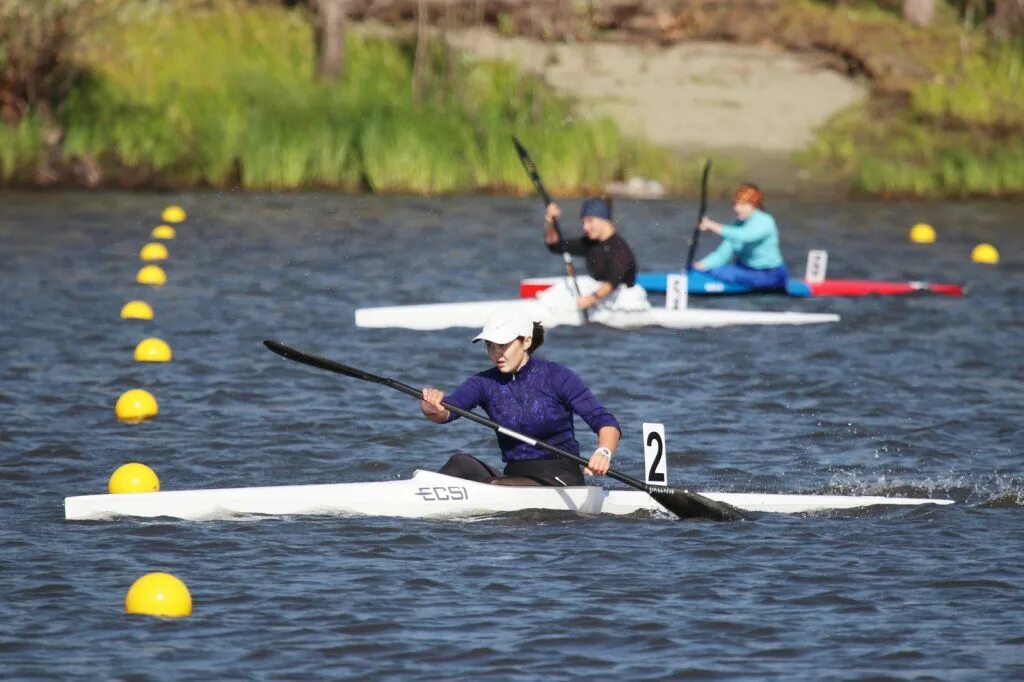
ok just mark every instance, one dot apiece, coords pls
pixel 523 155
pixel 692 250
pixel 322 363
pixel 687 505
pixel 704 189
pixel 531 170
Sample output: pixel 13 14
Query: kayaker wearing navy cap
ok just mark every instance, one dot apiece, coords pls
pixel 532 396
pixel 610 261
pixel 749 253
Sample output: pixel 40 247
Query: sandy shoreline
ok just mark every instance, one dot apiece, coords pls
pixel 754 104
pixel 702 96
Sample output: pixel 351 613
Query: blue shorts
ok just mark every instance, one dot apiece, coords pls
pixel 734 273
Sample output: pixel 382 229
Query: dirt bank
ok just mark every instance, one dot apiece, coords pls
pixel 753 104
pixel 691 96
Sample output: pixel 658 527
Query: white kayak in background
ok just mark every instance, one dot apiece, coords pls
pixel 435 316
pixel 556 306
pixel 430 495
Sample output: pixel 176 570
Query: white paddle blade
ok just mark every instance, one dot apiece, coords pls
pixel 817 264
pixel 676 292
pixel 655 455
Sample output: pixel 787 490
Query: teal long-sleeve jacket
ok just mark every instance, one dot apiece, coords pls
pixel 753 242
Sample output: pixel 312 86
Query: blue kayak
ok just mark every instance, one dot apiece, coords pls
pixel 700 283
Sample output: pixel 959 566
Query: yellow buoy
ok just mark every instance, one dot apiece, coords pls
pixel 153 251
pixel 922 233
pixel 136 405
pixel 136 310
pixel 173 214
pixel 163 232
pixel 133 478
pixel 151 274
pixel 153 350
pixel 985 253
pixel 158 594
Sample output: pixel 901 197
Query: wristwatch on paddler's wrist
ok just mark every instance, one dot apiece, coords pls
pixel 604 451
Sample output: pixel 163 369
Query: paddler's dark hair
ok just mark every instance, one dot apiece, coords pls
pixel 538 337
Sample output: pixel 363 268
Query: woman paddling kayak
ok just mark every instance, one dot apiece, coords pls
pixel 749 253
pixel 610 261
pixel 531 396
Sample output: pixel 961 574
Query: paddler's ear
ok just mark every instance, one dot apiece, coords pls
pixel 527 342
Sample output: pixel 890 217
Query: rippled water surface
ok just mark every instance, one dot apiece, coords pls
pixel 905 396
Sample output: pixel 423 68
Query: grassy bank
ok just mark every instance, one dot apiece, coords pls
pixel 220 93
pixel 224 96
pixel 946 115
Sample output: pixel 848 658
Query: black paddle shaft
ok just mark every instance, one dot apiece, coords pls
pixel 700 216
pixel 683 503
pixel 531 170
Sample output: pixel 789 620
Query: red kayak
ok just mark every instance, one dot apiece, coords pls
pixel 868 287
pixel 700 284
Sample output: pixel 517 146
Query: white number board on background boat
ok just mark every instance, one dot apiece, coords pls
pixel 817 264
pixel 655 459
pixel 677 290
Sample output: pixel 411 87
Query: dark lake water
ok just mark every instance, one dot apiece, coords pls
pixel 905 396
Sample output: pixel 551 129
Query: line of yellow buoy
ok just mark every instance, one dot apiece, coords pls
pixel 984 253
pixel 158 593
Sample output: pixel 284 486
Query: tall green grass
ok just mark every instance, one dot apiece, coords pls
pixel 962 133
pixel 981 89
pixel 20 147
pixel 223 93
pixel 953 125
pixel 897 155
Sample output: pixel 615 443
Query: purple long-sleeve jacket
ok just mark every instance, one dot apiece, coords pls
pixel 539 400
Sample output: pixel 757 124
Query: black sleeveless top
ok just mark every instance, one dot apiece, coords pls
pixel 609 261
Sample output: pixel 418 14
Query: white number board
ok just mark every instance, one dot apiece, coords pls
pixel 817 264
pixel 655 456
pixel 676 292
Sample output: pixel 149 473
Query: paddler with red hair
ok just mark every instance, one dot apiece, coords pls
pixel 749 253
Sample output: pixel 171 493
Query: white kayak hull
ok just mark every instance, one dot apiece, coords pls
pixel 427 495
pixel 447 315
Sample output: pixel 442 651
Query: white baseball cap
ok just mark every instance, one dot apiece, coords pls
pixel 505 326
